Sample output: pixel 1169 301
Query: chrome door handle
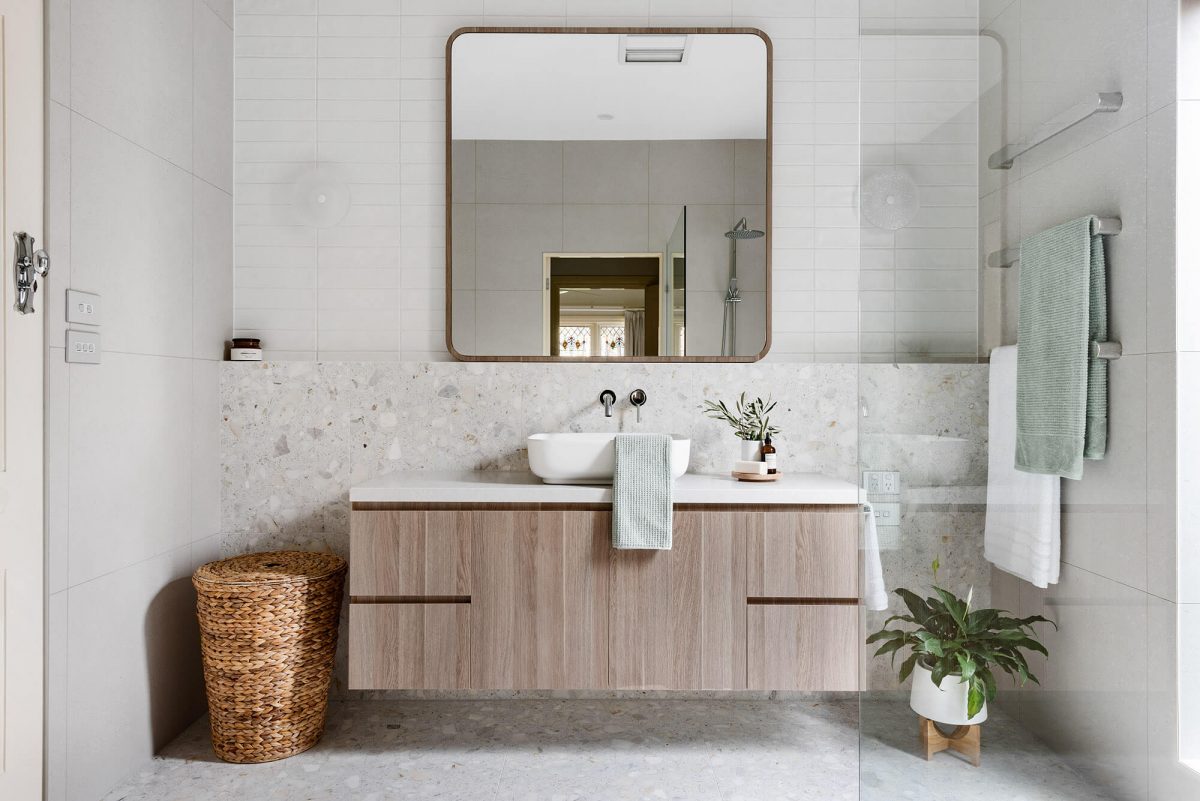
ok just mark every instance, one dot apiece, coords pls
pixel 28 266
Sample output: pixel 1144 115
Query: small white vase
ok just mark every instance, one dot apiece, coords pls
pixel 751 450
pixel 945 704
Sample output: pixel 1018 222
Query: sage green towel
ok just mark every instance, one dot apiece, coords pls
pixel 1062 393
pixel 642 488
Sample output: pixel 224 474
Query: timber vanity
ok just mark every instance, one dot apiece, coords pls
pixel 493 580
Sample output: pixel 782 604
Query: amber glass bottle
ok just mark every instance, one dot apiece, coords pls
pixel 768 455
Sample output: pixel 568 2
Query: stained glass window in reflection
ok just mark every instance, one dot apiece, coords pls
pixel 575 341
pixel 612 340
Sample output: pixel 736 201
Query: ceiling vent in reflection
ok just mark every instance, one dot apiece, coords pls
pixel 653 48
pixel 890 199
pixel 321 198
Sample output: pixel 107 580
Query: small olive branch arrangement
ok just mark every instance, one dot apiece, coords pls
pixel 749 419
pixel 951 640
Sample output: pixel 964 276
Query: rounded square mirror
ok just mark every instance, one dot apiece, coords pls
pixel 608 194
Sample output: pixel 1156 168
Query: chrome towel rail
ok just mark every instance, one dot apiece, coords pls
pixel 1001 259
pixel 1099 103
pixel 1104 226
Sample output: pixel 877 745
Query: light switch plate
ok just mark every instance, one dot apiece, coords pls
pixel 83 307
pixel 886 514
pixel 83 347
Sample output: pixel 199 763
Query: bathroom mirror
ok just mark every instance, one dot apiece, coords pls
pixel 608 194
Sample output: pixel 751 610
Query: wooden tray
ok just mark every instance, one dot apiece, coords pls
pixel 755 476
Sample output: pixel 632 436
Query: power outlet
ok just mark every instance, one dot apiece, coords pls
pixel 881 482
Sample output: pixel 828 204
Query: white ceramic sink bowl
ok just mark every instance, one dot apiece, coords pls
pixel 588 458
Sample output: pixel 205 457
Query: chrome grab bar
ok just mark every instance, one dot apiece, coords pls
pixel 1100 103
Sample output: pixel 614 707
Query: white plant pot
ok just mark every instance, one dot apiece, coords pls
pixel 946 704
pixel 751 450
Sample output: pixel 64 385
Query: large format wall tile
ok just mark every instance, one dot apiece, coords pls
pixel 606 172
pixel 212 272
pixel 131 71
pixel 1091 706
pixel 212 146
pixel 139 622
pixel 508 322
pixel 686 171
pixel 1170 625
pixel 606 228
pixel 518 172
pixel 205 450
pixel 131 454
pixel 140 431
pixel 1104 515
pixel 1069 51
pixel 516 236
pixel 131 214
pixel 1118 190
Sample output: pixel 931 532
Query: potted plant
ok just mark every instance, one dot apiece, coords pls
pixel 954 652
pixel 750 421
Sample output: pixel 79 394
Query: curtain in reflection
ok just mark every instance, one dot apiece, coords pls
pixel 635 332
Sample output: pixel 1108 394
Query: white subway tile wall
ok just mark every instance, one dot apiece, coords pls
pixel 918 285
pixel 357 87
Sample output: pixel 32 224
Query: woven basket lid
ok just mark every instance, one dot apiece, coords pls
pixel 274 567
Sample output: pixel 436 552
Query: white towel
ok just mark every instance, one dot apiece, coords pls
pixel 1021 532
pixel 874 592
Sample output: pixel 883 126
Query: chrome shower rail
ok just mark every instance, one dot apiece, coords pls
pixel 1101 102
pixel 1001 259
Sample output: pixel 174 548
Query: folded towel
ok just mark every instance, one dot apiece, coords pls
pixel 1021 531
pixel 1062 393
pixel 642 486
pixel 874 592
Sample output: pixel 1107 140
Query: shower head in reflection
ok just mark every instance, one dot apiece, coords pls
pixel 733 295
pixel 743 231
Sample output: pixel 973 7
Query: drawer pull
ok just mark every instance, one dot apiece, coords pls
pixel 410 599
pixel 779 600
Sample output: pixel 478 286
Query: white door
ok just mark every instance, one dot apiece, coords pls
pixel 22 388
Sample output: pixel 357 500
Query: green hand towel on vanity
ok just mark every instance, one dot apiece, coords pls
pixel 642 486
pixel 1062 392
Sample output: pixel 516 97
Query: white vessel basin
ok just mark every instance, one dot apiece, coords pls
pixel 588 458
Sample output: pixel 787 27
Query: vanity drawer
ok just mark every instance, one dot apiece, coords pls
pixel 402 554
pixel 410 646
pixel 804 554
pixel 802 647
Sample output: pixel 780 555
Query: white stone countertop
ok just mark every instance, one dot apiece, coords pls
pixel 494 486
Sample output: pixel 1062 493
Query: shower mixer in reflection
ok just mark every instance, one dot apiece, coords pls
pixel 732 295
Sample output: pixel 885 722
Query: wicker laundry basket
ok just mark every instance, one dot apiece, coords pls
pixel 268 630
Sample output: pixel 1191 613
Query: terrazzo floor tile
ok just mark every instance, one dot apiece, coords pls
pixel 615 750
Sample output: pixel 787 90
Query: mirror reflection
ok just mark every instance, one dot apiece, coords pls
pixel 608 195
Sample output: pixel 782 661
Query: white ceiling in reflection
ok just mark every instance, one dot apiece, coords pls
pixel 562 86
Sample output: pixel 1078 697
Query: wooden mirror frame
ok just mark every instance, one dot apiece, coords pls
pixel 462 357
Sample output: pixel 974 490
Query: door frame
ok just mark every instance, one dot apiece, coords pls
pixel 548 333
pixel 22 413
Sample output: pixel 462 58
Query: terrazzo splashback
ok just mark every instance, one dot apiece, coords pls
pixel 297 435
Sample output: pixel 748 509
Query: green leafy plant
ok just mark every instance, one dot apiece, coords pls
pixel 950 639
pixel 749 419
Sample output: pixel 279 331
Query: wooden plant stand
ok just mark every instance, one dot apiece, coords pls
pixel 964 740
